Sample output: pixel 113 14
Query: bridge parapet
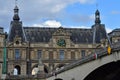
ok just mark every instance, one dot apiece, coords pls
pixel 24 77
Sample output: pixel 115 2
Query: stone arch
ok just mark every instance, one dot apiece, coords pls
pixel 17 70
pixel 35 68
pixel 109 71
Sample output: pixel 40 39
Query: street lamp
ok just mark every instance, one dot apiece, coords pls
pixel 4 71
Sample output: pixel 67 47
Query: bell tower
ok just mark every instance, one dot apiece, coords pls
pixel 97 17
pixel 16 16
pixel 16 29
pixel 99 31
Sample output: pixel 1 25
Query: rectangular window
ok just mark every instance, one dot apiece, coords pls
pixel 82 53
pixel 17 54
pixel 50 55
pixel 72 55
pixel 39 54
pixel 61 56
pixel 1 54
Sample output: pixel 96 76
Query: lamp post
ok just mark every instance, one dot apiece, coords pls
pixel 4 71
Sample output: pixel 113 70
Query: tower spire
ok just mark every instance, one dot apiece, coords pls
pixel 15 2
pixel 96 5
pixel 16 11
pixel 97 17
pixel 16 28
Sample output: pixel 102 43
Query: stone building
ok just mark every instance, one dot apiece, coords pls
pixel 115 35
pixel 2 37
pixel 56 47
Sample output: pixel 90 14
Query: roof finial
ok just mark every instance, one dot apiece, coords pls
pixel 16 11
pixel 97 5
pixel 15 2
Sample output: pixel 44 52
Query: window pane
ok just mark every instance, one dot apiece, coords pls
pixel 17 54
pixel 39 54
pixel 50 55
pixel 82 53
pixel 61 54
pixel 72 55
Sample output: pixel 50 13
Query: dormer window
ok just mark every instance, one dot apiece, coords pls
pixel 17 42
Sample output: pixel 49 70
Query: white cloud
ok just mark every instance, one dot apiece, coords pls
pixel 49 23
pixel 85 27
pixel 37 25
pixel 58 8
pixel 108 30
pixel 87 1
pixel 48 7
pixel 54 23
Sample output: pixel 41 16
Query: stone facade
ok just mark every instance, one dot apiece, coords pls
pixel 50 54
pixel 2 37
pixel 55 46
pixel 115 35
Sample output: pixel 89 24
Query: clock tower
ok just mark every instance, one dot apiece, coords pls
pixel 97 17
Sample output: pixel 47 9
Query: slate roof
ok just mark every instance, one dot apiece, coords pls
pixel 1 30
pixel 81 35
pixel 16 30
pixel 43 34
pixel 37 34
pixel 100 32
pixel 115 32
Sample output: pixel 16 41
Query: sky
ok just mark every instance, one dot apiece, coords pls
pixel 65 13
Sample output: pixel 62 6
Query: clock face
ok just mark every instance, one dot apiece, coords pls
pixel 97 16
pixel 61 42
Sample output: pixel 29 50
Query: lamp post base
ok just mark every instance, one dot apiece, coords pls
pixel 3 76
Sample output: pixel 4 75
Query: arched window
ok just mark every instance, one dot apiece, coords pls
pixel 17 70
pixel 34 71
